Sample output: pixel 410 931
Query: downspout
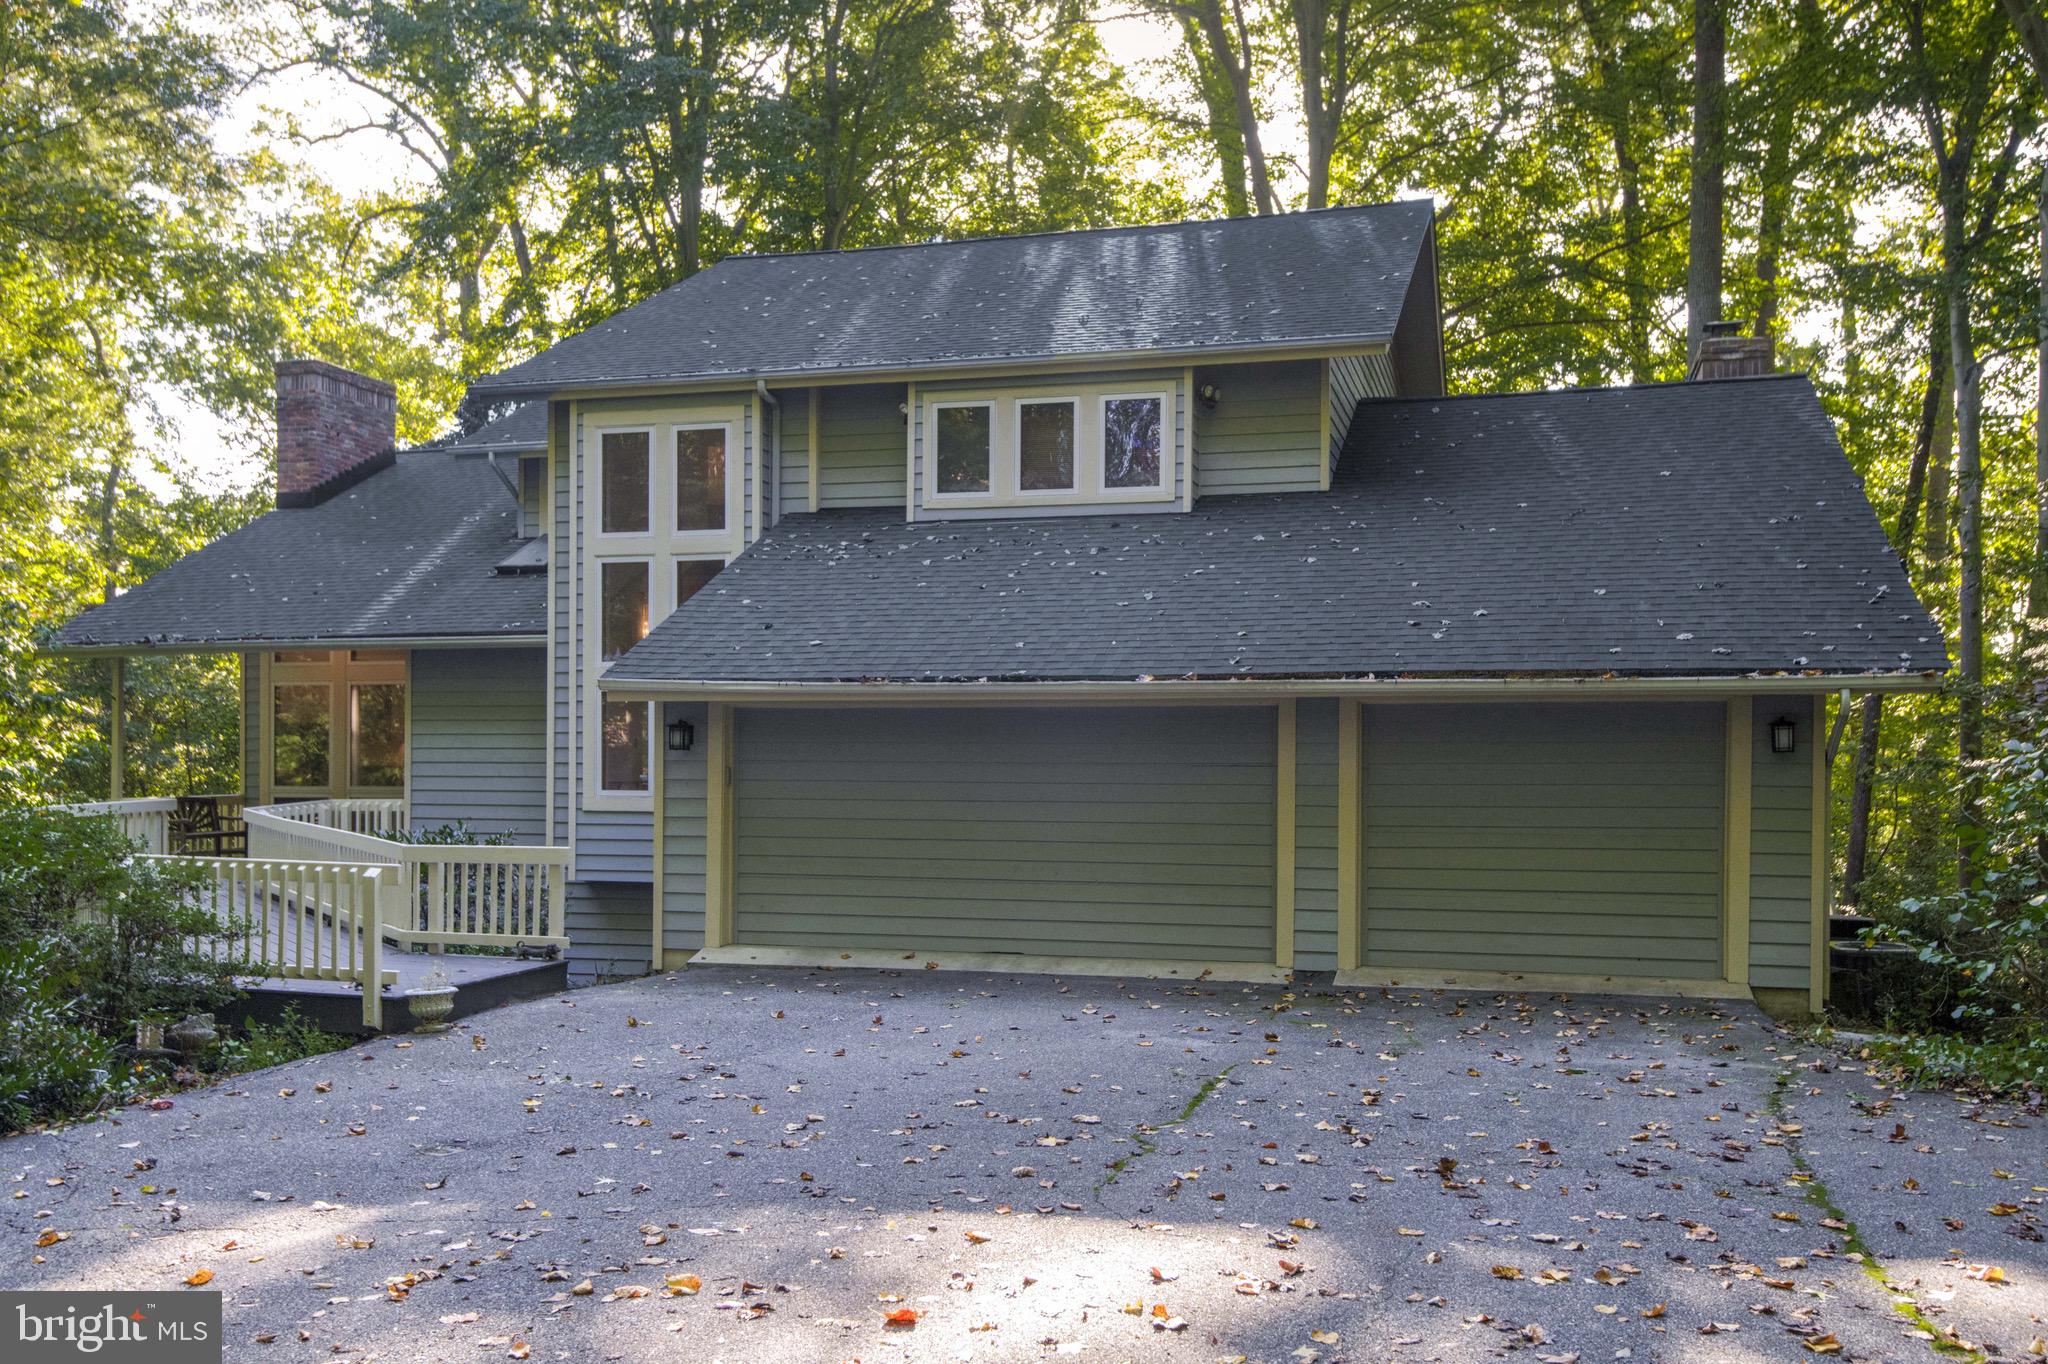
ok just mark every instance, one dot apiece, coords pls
pixel 774 453
pixel 491 457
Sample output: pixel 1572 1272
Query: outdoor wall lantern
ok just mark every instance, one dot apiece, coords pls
pixel 1208 393
pixel 1782 731
pixel 681 734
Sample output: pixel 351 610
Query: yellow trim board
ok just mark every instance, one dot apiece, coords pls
pixel 1002 963
pixel 1350 835
pixel 1379 978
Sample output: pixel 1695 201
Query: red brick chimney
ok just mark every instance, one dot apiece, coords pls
pixel 334 428
pixel 1725 353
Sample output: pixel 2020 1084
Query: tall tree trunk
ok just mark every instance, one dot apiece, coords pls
pixel 1870 716
pixel 1618 112
pixel 1970 530
pixel 1709 152
pixel 2031 25
pixel 1939 534
pixel 1221 110
pixel 1236 72
pixel 2037 585
pixel 1323 58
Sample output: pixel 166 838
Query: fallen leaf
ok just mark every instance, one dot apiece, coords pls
pixel 199 1277
pixel 901 1316
pixel 1823 1345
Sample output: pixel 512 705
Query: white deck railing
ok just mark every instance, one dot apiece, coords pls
pixel 463 894
pixel 298 921
pixel 146 820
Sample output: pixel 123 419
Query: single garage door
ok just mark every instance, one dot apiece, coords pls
pixel 1088 832
pixel 1570 838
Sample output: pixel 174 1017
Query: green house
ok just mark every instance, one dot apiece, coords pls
pixel 1130 601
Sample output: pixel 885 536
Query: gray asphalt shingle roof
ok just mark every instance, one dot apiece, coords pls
pixel 1674 530
pixel 524 429
pixel 408 553
pixel 1335 275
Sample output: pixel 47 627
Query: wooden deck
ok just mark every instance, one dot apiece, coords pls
pixel 482 981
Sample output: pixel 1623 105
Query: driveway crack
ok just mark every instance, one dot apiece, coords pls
pixel 1902 1303
pixel 1142 1133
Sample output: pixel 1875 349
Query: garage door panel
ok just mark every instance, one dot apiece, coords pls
pixel 1571 838
pixel 1127 833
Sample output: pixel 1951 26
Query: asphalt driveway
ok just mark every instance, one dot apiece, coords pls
pixel 761 1165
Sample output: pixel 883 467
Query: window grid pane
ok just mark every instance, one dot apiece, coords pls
pixel 377 734
pixel 1045 447
pixel 299 733
pixel 693 574
pixel 700 479
pixel 962 443
pixel 624 473
pixel 1131 443
pixel 624 589
pixel 625 746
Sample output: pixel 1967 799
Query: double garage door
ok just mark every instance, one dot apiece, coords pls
pixel 1133 833
pixel 1571 838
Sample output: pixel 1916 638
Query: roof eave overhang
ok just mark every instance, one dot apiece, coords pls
pixel 229 646
pixel 624 386
pixel 1268 689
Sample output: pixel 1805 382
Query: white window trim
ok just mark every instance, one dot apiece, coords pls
pixel 1016 485
pixel 989 497
pixel 712 541
pixel 598 533
pixel 1163 490
pixel 661 547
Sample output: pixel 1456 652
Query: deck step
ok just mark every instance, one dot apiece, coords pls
pixel 480 983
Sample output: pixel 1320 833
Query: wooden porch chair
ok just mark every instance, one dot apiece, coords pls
pixel 200 828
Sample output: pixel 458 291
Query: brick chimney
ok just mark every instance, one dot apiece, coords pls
pixel 335 427
pixel 1725 353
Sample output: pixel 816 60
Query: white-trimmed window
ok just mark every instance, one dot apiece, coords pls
pixel 625 486
pixel 663 515
pixel 1047 459
pixel 700 463
pixel 963 449
pixel 336 723
pixel 1136 451
pixel 1103 443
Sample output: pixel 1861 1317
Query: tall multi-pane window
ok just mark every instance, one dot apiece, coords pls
pixel 623 592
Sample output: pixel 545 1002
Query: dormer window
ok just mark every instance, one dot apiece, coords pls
pixel 1132 441
pixel 1108 442
pixel 1045 445
pixel 964 447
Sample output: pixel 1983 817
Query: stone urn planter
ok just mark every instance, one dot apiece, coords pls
pixel 431 1001
pixel 192 1034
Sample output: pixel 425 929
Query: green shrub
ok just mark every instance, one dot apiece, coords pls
pixel 50 1064
pixel 1989 942
pixel 261 1045
pixel 119 933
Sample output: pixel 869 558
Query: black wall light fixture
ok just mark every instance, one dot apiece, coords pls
pixel 1783 732
pixel 681 734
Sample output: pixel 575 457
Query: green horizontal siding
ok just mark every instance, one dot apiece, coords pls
pixel 1099 832
pixel 794 471
pixel 682 847
pixel 862 446
pixel 1264 434
pixel 1569 838
pixel 252 726
pixel 1315 835
pixel 609 925
pixel 479 740
pixel 1781 848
